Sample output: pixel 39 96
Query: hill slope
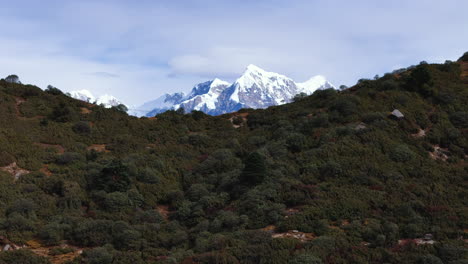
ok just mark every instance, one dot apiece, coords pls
pixel 356 184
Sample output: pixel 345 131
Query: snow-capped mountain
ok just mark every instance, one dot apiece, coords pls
pixel 106 100
pixel 83 95
pixel 163 103
pixel 256 88
pixel 203 97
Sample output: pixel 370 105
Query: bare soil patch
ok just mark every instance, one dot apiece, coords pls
pixel 14 170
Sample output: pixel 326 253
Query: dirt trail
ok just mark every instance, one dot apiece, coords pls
pixel 18 102
pixel 45 251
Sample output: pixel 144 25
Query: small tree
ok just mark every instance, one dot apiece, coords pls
pixel 114 178
pixel 12 79
pixel 299 97
pixel 53 90
pixel 121 108
pixel 464 57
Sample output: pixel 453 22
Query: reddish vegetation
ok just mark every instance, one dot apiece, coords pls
pixel 163 210
pixel 85 110
pixel 98 148
pixel 464 71
pixel 376 188
pixel 45 170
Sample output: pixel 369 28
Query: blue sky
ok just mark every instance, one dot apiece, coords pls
pixel 138 50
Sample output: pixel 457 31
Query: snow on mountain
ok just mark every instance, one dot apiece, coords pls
pixel 159 105
pixel 106 100
pixel 255 88
pixel 83 95
pixel 204 96
pixel 258 88
pixel 315 83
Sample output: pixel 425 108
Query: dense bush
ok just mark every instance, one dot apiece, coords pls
pixel 330 178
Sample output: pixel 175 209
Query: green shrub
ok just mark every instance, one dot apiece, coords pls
pixel 401 153
pixel 22 256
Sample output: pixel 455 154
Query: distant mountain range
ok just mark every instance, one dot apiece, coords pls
pixel 256 88
pixel 106 100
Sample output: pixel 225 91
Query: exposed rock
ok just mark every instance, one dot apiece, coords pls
pixel 360 126
pixel 439 153
pixel 397 114
pixel 421 133
pixel 303 237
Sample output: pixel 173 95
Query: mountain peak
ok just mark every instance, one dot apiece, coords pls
pixel 255 88
pixel 254 68
pixel 315 83
pixel 108 101
pixel 217 82
pixel 85 95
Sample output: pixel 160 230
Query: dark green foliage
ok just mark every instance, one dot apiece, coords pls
pixel 459 119
pixel 401 153
pixel 184 188
pixel 464 57
pixel 254 171
pixel 121 107
pixel 53 90
pixel 430 259
pixel 98 256
pixel 13 78
pixel 68 158
pixel 82 127
pixel 62 113
pixel 112 178
pixel 6 158
pixel 21 257
pixel 93 233
pixel 305 259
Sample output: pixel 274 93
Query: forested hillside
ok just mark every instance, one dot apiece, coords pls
pixel 330 178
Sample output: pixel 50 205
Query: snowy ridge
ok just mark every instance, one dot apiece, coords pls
pixel 83 95
pixel 106 100
pixel 311 85
pixel 255 88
